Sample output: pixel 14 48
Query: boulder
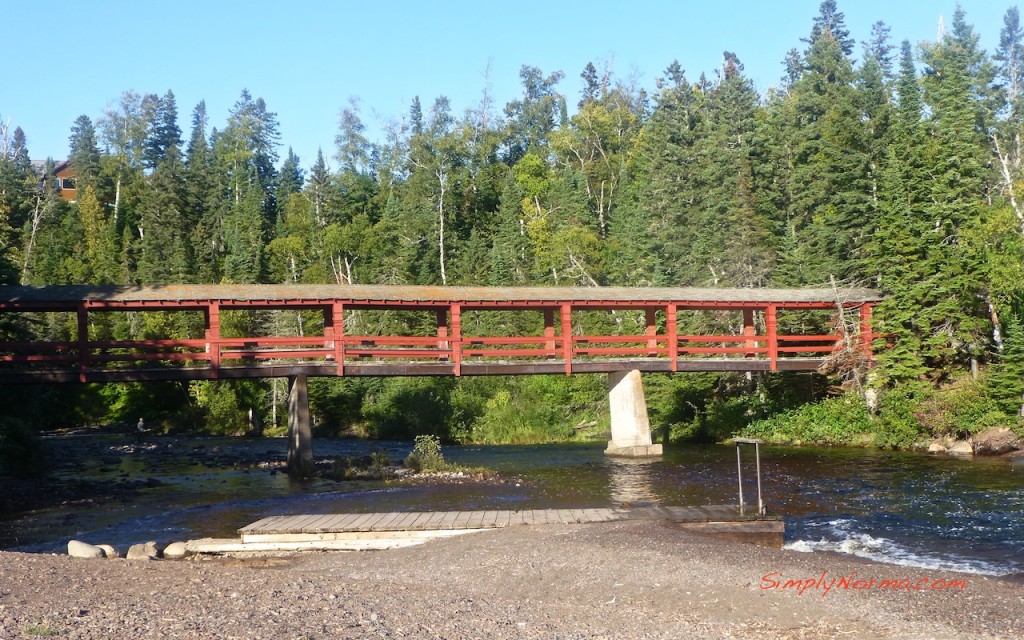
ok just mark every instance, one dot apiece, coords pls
pixel 961 448
pixel 147 551
pixel 109 551
pixel 175 550
pixel 996 441
pixel 936 447
pixel 79 549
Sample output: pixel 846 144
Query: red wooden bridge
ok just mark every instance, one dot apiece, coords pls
pixel 442 331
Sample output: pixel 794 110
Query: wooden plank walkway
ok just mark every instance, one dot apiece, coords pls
pixel 329 525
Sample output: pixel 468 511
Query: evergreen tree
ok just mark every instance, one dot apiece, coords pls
pixel 164 255
pixel 667 144
pixel 164 132
pixel 291 177
pixel 319 190
pixel 829 181
pixel 1006 382
pixel 84 152
pixel 243 237
pixel 510 251
pixel 831 20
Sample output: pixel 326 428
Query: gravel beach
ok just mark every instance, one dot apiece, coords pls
pixel 631 579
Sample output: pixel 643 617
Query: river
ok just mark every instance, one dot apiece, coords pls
pixel 896 507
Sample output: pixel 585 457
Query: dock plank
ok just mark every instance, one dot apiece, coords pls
pixel 386 523
pixel 432 522
pixel 389 522
pixel 463 519
pixel 406 521
pixel 448 521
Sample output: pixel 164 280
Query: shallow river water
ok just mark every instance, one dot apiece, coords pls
pixel 897 507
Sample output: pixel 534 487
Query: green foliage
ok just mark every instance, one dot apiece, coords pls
pixel 226 405
pixel 834 421
pixel 1005 383
pixel 525 411
pixel 898 424
pixel 960 410
pixel 426 455
pixel 406 407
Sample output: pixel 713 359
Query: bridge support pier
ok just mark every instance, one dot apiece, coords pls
pixel 631 429
pixel 300 434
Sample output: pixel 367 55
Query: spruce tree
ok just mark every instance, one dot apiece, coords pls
pixel 164 255
pixel 829 186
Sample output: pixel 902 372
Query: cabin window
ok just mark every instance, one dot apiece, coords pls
pixel 68 184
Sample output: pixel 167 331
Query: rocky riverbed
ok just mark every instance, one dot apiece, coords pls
pixel 635 579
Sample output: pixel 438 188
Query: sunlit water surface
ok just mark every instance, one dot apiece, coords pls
pixel 902 508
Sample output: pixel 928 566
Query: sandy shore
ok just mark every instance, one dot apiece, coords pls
pixel 633 579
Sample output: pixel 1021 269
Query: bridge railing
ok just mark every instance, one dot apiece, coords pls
pixel 558 344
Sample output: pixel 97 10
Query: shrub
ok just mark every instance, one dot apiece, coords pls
pixel 833 421
pixel 426 455
pixel 960 410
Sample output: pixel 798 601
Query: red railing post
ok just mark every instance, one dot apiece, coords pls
pixel 549 332
pixel 456 337
pixel 442 331
pixel 771 329
pixel 750 331
pixel 567 349
pixel 213 337
pixel 83 341
pixel 652 331
pixel 672 329
pixel 338 324
pixel 865 330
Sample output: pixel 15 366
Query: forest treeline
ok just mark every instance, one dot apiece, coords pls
pixel 894 166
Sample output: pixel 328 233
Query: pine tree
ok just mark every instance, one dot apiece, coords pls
pixel 243 237
pixel 831 20
pixel 164 253
pixel 84 152
pixel 666 147
pixel 291 177
pixel 510 251
pixel 164 132
pixel 1006 381
pixel 829 186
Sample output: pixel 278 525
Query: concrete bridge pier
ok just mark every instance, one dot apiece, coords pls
pixel 300 434
pixel 631 429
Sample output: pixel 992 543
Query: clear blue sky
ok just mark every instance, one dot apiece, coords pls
pixel 306 58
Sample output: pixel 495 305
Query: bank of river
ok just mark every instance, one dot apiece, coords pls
pixel 906 508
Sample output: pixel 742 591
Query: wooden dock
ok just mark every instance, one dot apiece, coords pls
pixel 361 531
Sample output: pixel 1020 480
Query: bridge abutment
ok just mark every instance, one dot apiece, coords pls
pixel 631 428
pixel 300 433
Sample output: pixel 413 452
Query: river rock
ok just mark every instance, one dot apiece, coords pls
pixel 147 551
pixel 109 551
pixel 961 448
pixel 175 550
pixel 936 447
pixel 996 441
pixel 79 549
